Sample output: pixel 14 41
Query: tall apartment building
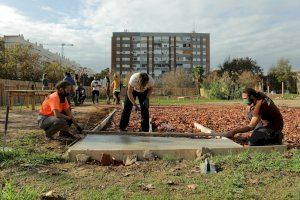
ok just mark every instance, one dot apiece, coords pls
pixel 157 53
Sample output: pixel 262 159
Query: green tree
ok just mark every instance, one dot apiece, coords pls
pixel 19 62
pixel 248 79
pixel 198 72
pixel 54 71
pixel 282 71
pixel 235 67
pixel 102 74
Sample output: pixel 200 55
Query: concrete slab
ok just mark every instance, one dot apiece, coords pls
pixel 119 146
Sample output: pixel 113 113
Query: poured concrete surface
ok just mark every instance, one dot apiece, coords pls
pixel 119 146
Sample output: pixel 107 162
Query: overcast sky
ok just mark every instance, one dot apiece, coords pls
pixel 265 30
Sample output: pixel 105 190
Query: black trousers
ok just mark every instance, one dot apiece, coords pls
pixel 263 135
pixel 95 93
pixel 128 107
pixel 117 97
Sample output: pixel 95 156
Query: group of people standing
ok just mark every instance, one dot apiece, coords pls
pixel 115 86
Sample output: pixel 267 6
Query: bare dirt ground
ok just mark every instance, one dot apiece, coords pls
pixel 23 122
pixel 219 118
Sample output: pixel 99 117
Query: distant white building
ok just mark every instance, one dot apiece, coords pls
pixel 45 54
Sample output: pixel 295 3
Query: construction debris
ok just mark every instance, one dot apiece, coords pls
pixel 130 160
pixel 203 153
pixel 52 196
pixel 207 167
pixel 149 155
pixel 82 158
pixel 192 186
pixel 105 159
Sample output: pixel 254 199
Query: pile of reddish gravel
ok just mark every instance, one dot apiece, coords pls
pixel 216 117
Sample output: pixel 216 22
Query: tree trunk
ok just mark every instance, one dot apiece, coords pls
pixel 282 89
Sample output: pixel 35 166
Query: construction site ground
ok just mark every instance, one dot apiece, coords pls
pixel 34 165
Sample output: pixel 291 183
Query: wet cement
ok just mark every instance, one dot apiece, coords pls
pixel 121 145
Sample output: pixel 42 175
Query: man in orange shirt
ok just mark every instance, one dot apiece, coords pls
pixel 55 114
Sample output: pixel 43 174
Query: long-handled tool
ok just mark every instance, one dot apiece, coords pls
pixel 208 131
pixel 5 127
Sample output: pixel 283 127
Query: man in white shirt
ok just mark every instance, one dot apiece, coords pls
pixel 95 90
pixel 140 85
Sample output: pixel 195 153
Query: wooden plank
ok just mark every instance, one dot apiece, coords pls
pixel 202 128
pixel 152 134
pixel 104 122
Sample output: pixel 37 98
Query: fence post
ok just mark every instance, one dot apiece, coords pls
pixel 2 95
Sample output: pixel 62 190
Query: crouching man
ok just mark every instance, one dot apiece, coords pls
pixel 55 115
pixel 140 85
pixel 265 119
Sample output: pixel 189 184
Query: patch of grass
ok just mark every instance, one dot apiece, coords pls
pixel 113 192
pixel 259 162
pixel 11 192
pixel 16 156
pixel 169 158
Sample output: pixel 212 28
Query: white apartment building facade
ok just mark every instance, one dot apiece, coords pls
pixel 157 53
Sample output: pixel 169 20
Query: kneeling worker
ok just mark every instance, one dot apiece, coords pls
pixel 140 85
pixel 55 114
pixel 266 120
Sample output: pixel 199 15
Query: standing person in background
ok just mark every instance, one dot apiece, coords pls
pixel 95 90
pixel 107 89
pixel 45 82
pixel 77 84
pixel 71 81
pixel 116 89
pixel 140 85
pixel 81 94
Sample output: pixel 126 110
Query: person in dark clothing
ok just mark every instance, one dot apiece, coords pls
pixel 141 86
pixel 71 81
pixel 107 89
pixel 266 120
pixel 45 82
pixel 81 94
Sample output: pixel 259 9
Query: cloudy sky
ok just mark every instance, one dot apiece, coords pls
pixel 265 30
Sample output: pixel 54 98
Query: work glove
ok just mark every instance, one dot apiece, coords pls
pixel 79 129
pixel 146 103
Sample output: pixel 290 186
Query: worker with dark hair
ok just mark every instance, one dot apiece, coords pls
pixel 140 85
pixel 81 94
pixel 71 81
pixel 107 88
pixel 55 114
pixel 45 82
pixel 95 84
pixel 265 119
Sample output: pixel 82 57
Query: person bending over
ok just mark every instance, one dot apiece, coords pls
pixel 140 85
